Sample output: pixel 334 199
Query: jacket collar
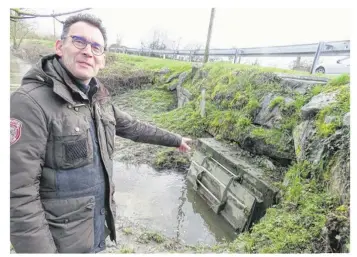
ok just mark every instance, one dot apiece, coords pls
pixel 67 89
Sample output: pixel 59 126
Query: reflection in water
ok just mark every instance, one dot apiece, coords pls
pixel 164 201
pixel 180 213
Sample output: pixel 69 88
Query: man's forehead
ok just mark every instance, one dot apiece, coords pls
pixel 87 31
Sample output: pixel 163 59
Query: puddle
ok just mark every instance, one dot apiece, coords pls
pixel 165 202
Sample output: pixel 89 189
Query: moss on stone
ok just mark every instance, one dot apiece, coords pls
pixel 338 110
pixel 277 101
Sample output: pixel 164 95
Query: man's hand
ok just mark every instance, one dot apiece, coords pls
pixel 184 146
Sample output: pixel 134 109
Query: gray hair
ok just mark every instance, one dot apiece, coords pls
pixel 87 18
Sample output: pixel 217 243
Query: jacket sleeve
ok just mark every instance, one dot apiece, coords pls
pixel 139 131
pixel 28 227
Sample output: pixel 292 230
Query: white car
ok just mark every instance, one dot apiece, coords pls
pixel 341 66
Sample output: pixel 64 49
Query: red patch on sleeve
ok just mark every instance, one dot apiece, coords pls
pixel 15 130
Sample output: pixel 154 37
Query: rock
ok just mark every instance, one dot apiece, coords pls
pixel 164 71
pixel 346 119
pixel 182 77
pixel 340 175
pixel 267 164
pixel 328 153
pixel 300 77
pixel 330 119
pixel 317 103
pixel 258 146
pixel 302 134
pixel 264 78
pixel 270 117
pixel 300 84
pixel 202 74
pixel 173 87
pixel 198 75
pixel 172 77
pixel 194 70
pixel 183 95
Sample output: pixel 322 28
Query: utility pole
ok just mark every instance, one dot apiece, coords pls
pixel 54 26
pixel 209 35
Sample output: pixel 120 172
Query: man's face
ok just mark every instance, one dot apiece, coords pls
pixel 82 63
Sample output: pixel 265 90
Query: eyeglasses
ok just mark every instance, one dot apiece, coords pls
pixel 82 43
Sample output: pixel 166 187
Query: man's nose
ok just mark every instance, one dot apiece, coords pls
pixel 87 50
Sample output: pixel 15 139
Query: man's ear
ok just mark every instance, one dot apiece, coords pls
pixel 59 45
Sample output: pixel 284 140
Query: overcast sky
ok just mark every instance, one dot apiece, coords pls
pixel 233 27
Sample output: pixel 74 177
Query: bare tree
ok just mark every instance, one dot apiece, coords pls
pixel 174 44
pixel 194 48
pixel 300 65
pixel 158 41
pixel 20 14
pixel 18 31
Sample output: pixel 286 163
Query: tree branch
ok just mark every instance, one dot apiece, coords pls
pixel 27 15
pixel 15 18
pixel 58 20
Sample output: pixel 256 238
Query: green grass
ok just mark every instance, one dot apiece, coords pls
pixel 153 63
pixel 146 237
pixel 276 102
pixel 155 100
pixel 43 42
pixel 186 121
pixel 127 231
pixel 296 223
pixel 244 67
pixel 342 79
pixel 148 102
pixel 127 65
pixel 125 250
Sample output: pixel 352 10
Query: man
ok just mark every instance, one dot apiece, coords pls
pixel 62 141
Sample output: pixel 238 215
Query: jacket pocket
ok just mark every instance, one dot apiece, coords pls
pixel 73 147
pixel 71 222
pixel 109 128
